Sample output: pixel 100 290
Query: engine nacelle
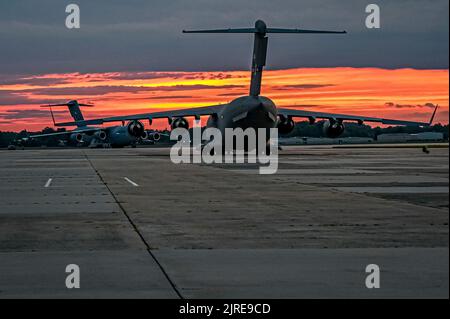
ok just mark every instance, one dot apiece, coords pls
pixel 101 135
pixel 333 128
pixel 136 129
pixel 76 137
pixel 179 122
pixel 154 136
pixel 285 125
pixel 145 135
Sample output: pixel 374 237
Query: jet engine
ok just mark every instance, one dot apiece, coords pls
pixel 333 128
pixel 285 125
pixel 76 137
pixel 101 135
pixel 179 122
pixel 154 136
pixel 136 129
pixel 145 135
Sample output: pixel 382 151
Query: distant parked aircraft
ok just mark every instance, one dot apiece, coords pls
pixel 116 136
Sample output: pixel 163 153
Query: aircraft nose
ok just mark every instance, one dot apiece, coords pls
pixel 267 111
pixel 259 117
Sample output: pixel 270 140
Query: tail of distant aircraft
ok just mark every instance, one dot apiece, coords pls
pixel 74 109
pixel 260 47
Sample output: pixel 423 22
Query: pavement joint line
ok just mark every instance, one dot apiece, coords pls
pixel 136 229
pixel 131 182
pixel 48 183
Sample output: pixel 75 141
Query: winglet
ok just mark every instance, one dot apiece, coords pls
pixel 53 116
pixel 432 116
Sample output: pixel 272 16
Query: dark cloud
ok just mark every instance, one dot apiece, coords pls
pixel 64 78
pixel 19 97
pixel 25 114
pixel 141 35
pixel 85 91
pixel 103 90
pixel 301 86
pixel 148 98
pixel 15 80
pixel 147 75
pixel 8 97
pixel 164 97
pixel 406 106
pixel 232 94
pixel 305 106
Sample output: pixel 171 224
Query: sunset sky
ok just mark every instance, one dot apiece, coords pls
pixel 404 93
pixel 131 56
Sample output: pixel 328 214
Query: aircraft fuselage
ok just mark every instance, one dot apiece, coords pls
pixel 246 112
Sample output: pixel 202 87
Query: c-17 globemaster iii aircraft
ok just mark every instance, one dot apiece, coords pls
pixel 253 111
pixel 115 136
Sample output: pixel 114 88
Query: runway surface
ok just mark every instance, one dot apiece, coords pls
pixel 140 226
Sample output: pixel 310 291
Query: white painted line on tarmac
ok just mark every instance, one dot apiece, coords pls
pixel 48 183
pixel 131 182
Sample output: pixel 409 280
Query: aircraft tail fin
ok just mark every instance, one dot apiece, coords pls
pixel 260 47
pixel 74 109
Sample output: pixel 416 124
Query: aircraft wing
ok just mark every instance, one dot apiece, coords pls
pixel 87 130
pixel 343 117
pixel 199 111
pixel 214 109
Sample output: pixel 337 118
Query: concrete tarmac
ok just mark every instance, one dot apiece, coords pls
pixel 140 226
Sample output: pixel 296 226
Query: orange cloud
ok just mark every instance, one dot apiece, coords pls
pixel 401 93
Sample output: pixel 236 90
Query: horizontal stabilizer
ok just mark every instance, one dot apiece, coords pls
pixel 67 104
pixel 244 30
pixel 277 30
pixel 268 30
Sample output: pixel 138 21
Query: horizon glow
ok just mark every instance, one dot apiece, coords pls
pixel 391 93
